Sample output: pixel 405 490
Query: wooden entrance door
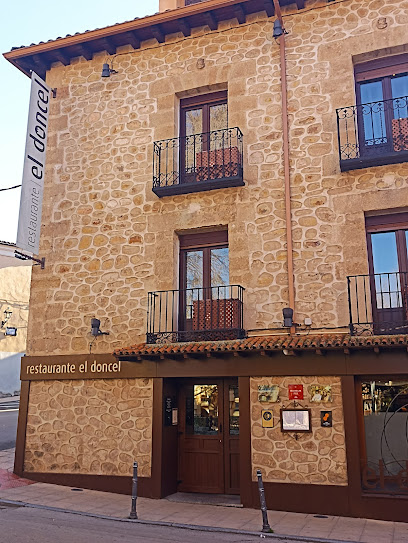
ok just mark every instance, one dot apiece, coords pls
pixel 209 437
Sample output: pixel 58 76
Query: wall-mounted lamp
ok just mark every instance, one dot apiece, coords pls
pixel 107 71
pixel 287 317
pixel 95 328
pixel 277 29
pixel 7 316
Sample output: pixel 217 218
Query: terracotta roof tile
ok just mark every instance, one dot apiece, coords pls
pixel 267 343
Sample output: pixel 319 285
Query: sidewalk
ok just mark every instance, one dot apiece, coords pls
pixel 117 506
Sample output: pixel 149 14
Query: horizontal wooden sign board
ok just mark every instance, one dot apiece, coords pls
pixel 102 366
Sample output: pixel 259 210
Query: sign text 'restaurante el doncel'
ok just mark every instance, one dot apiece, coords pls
pixel 69 369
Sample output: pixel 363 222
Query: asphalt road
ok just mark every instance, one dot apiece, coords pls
pixel 8 426
pixel 26 525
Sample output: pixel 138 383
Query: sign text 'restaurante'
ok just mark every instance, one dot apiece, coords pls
pixel 67 369
pixel 29 222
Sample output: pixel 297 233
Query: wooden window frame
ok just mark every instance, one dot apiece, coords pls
pixel 201 242
pixel 397 223
pixel 204 102
pixel 380 70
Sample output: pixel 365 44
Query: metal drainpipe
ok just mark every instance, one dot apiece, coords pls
pixel 285 135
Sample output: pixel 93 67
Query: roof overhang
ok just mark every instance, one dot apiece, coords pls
pixel 263 345
pixel 41 56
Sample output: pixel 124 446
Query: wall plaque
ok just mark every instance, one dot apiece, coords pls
pixel 295 392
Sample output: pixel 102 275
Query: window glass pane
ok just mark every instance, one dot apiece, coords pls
pixel 373 113
pixel 194 280
pixel 220 273
pixel 233 399
pixel 218 117
pixel 219 136
pixel 193 141
pixel 385 262
pixel 194 121
pixel 202 410
pixel 399 86
pixel 385 406
pixel 371 92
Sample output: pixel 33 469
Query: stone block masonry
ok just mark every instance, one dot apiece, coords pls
pixel 90 427
pixel 108 240
pixel 315 458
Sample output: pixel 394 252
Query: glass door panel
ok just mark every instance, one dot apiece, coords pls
pixel 386 270
pixel 193 139
pixel 194 280
pixel 233 410
pixel 220 272
pixel 202 417
pixel 373 113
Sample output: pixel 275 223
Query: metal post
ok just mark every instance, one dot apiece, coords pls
pixel 133 514
pixel 265 524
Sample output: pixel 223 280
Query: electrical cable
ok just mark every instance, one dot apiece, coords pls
pixel 10 188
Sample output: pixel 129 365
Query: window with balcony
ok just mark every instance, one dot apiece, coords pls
pixel 375 131
pixel 206 156
pixel 379 300
pixel 206 307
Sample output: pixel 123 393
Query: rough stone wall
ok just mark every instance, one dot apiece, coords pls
pixel 315 458
pixel 108 239
pixel 93 426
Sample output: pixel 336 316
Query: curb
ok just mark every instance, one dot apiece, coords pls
pixel 192 527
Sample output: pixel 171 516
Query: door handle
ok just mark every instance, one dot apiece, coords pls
pixel 220 428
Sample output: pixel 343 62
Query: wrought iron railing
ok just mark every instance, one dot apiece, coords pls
pixel 373 134
pixel 378 303
pixel 195 314
pixel 198 162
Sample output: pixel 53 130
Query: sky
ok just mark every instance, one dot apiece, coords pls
pixel 24 22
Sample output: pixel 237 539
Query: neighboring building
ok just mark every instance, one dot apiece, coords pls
pixel 165 216
pixel 15 277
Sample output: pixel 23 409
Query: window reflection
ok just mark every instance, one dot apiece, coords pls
pixel 385 263
pixel 233 399
pixel 202 410
pixel 385 406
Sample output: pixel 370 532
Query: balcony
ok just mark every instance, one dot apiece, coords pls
pixel 373 134
pixel 378 303
pixel 195 314
pixel 199 162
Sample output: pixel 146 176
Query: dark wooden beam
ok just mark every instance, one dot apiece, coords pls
pixel 300 4
pixel 210 20
pixel 158 33
pixel 108 46
pixel 269 8
pixel 85 51
pixel 240 14
pixel 133 39
pixel 40 64
pixel 62 57
pixel 320 352
pixel 184 27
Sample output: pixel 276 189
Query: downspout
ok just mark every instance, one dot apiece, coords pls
pixel 286 167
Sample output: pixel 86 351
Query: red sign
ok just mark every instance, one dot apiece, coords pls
pixel 295 392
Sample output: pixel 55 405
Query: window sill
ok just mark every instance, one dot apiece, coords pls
pixel 198 186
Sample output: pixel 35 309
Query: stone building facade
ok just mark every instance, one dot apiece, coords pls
pixel 113 246
pixel 15 279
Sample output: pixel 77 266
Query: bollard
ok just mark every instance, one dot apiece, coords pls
pixel 265 524
pixel 133 514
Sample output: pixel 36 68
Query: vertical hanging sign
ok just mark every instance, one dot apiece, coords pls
pixel 29 221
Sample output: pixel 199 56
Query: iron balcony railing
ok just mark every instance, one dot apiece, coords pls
pixel 373 134
pixel 198 162
pixel 195 314
pixel 378 303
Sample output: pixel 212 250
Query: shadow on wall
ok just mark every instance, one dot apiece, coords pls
pixel 10 374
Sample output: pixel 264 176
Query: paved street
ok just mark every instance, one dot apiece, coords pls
pixel 8 425
pixel 25 525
